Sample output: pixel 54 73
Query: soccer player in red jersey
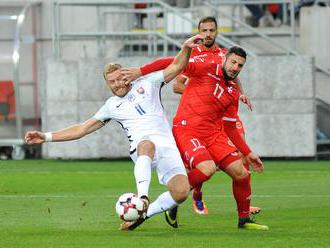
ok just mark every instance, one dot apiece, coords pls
pixel 199 205
pixel 209 52
pixel 210 97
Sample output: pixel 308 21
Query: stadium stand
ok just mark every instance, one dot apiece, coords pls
pixel 72 51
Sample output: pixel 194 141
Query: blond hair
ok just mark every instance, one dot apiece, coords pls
pixel 111 67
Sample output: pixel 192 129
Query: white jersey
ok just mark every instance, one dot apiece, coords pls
pixel 139 112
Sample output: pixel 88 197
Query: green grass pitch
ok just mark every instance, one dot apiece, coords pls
pixel 71 204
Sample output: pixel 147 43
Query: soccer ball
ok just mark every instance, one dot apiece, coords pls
pixel 130 207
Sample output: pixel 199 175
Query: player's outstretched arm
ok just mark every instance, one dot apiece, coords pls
pixel 131 74
pixel 252 158
pixel 70 133
pixel 182 58
pixel 244 98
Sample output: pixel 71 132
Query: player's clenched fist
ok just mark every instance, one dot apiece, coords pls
pixel 34 137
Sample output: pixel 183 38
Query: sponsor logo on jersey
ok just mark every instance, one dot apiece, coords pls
pixel 118 105
pixel 199 60
pixel 199 56
pixel 140 90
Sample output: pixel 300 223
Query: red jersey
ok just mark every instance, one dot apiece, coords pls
pixel 211 56
pixel 207 56
pixel 208 97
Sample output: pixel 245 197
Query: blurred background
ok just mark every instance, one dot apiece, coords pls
pixel 52 55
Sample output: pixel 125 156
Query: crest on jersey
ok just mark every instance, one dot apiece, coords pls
pixel 230 89
pixel 140 90
pixel 131 97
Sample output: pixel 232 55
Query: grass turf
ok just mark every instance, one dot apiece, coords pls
pixel 71 204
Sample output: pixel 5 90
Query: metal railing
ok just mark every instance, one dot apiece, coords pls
pixel 150 33
pixel 154 36
pixel 288 7
pixel 291 3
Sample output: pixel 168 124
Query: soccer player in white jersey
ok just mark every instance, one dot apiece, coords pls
pixel 137 107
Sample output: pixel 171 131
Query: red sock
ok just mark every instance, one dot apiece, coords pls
pixel 196 178
pixel 197 192
pixel 242 194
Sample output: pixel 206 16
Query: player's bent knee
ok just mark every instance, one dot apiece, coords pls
pixel 180 195
pixel 240 175
pixel 237 171
pixel 207 167
pixel 179 188
pixel 146 147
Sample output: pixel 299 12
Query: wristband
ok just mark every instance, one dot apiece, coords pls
pixel 48 137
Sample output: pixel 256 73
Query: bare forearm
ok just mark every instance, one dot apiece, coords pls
pixel 182 58
pixel 239 85
pixel 70 133
pixel 77 131
pixel 180 61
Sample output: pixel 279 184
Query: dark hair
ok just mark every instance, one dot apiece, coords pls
pixel 237 50
pixel 208 19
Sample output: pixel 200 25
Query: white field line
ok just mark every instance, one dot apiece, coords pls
pixel 129 172
pixel 114 196
pixel 70 172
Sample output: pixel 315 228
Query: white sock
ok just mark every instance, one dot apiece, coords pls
pixel 142 173
pixel 164 202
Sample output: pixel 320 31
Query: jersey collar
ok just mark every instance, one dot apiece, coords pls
pixel 202 48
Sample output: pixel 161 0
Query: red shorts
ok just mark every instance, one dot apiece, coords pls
pixel 196 147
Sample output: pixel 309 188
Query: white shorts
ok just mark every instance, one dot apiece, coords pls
pixel 167 161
